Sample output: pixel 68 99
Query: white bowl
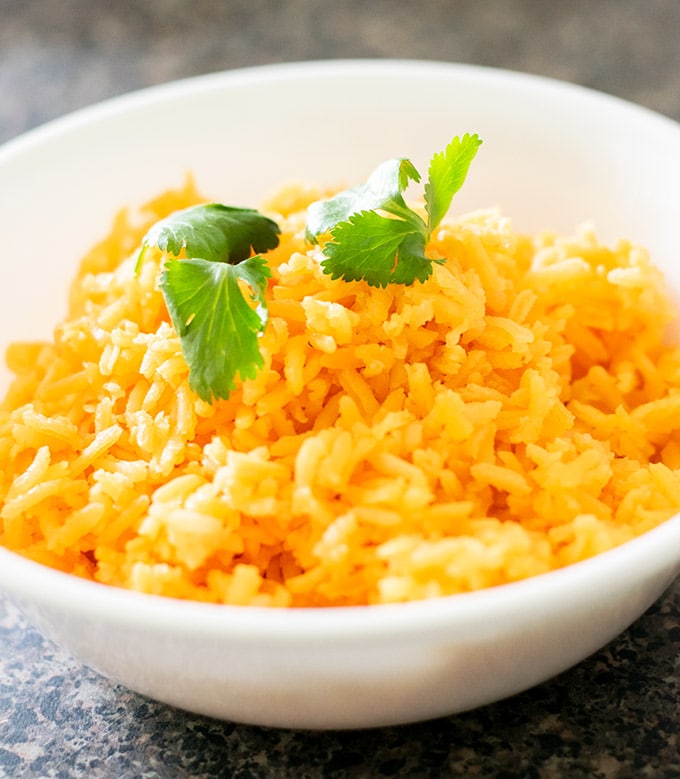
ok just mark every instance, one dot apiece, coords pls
pixel 555 155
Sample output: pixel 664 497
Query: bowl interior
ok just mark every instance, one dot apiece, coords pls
pixel 553 156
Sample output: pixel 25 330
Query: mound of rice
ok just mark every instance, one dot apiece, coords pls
pixel 513 415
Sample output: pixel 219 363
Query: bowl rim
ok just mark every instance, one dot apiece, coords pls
pixel 285 71
pixel 29 581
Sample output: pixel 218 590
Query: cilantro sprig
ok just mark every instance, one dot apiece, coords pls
pixel 218 321
pixel 374 235
pixel 215 292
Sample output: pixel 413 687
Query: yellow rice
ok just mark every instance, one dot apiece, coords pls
pixel 513 415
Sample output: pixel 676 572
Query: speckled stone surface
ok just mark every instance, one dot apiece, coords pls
pixel 617 714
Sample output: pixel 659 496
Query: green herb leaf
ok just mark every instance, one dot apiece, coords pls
pixel 378 249
pixel 382 191
pixel 446 176
pixel 213 232
pixel 389 247
pixel 218 327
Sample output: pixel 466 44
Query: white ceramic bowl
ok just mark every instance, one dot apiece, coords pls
pixel 554 155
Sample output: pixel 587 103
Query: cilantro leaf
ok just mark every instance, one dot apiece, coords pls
pixel 378 249
pixel 213 232
pixel 211 311
pixel 382 190
pixel 217 326
pixel 446 176
pixel 366 244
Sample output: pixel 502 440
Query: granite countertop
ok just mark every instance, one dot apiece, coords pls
pixel 615 715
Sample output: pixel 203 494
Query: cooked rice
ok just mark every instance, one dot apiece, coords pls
pixel 514 414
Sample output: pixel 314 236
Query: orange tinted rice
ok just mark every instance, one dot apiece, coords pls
pixel 511 416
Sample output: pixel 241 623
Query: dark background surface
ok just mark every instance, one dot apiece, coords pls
pixel 614 716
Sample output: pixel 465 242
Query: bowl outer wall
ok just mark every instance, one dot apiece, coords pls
pixel 346 668
pixel 554 155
